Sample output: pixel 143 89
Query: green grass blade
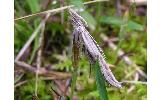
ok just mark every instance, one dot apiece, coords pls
pixel 34 5
pixel 73 83
pixel 77 3
pixel 100 82
pixel 35 48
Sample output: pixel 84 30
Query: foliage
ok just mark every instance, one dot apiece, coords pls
pixel 100 82
pixel 57 52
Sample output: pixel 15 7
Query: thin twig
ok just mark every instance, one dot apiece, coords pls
pixel 134 82
pixel 43 71
pixel 20 83
pixel 34 34
pixel 118 9
pixel 132 87
pixel 41 78
pixel 138 2
pixel 62 11
pixel 39 56
pixel 57 9
pixel 25 66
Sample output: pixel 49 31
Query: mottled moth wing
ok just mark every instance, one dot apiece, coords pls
pixel 94 51
pixel 82 39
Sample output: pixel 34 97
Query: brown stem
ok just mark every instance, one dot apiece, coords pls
pixel 43 71
pixel 57 9
pixel 34 34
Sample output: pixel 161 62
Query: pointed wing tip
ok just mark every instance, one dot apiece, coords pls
pixel 119 85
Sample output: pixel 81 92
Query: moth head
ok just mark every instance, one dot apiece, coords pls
pixel 76 19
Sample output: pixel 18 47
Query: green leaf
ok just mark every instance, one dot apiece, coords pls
pixel 100 82
pixel 77 3
pixel 111 20
pixel 73 83
pixel 134 26
pixel 89 19
pixel 35 48
pixel 34 5
pixel 117 21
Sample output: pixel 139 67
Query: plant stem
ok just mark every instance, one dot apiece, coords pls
pixel 57 9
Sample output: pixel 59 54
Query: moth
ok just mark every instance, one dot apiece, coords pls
pixel 86 43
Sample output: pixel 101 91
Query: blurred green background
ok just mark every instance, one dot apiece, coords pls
pixel 124 23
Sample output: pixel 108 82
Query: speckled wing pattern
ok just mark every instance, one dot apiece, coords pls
pixel 90 47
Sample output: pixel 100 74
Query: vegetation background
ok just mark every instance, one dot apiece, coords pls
pixel 118 26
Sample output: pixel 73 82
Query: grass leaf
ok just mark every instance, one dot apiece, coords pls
pixel 117 22
pixel 100 82
pixel 111 20
pixel 34 5
pixel 135 26
pixel 73 83
pixel 77 3
pixel 89 19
